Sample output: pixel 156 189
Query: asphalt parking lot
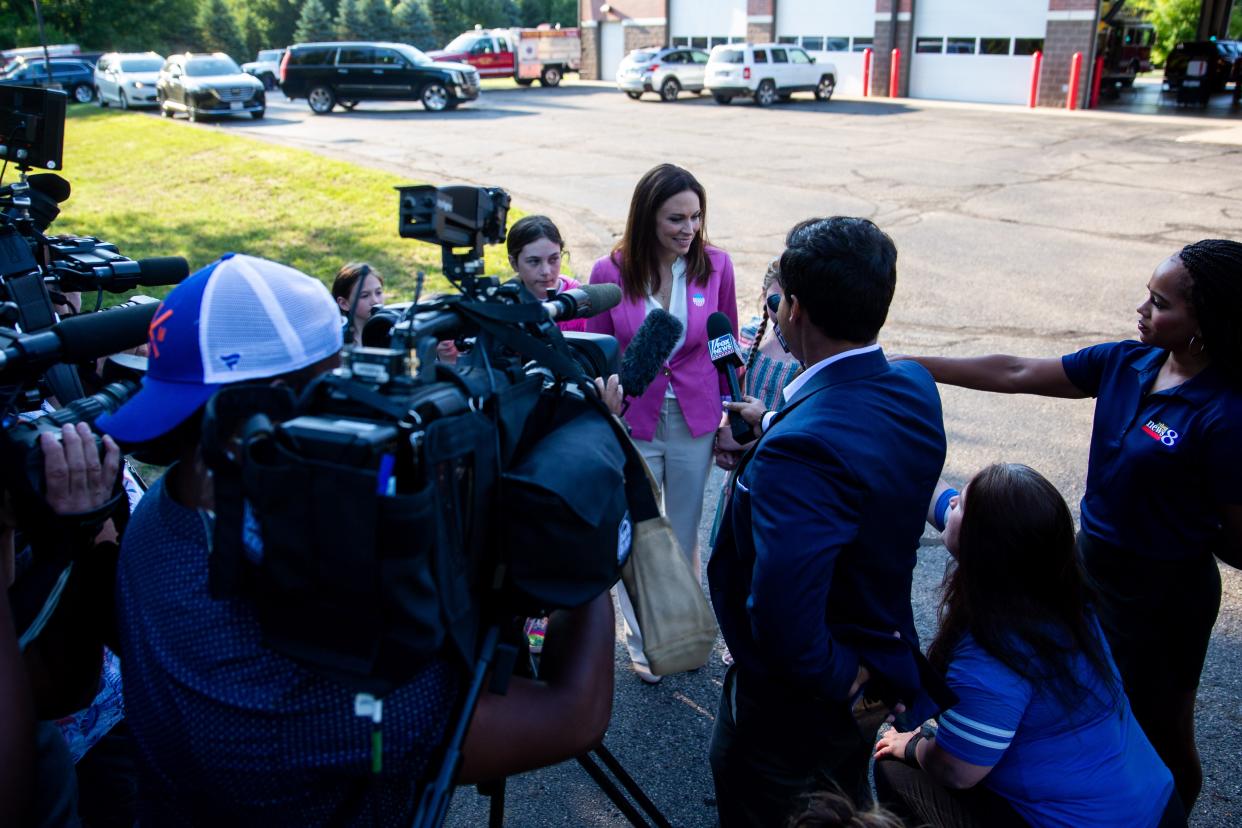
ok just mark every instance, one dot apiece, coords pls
pixel 1021 232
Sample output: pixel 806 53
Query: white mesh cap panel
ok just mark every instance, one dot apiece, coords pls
pixel 261 319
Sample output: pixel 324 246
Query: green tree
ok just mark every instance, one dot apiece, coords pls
pixel 447 20
pixel 376 16
pixel 534 12
pixel 412 25
pixel 349 22
pixel 314 24
pixel 218 30
pixel 1175 21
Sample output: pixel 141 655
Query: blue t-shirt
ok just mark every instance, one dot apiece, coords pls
pixel 1162 465
pixel 229 732
pixel 1086 765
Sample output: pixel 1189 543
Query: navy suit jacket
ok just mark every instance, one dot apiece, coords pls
pixel 813 564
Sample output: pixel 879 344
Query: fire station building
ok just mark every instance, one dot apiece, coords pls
pixel 962 50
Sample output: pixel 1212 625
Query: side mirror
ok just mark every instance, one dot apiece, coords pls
pixel 812 57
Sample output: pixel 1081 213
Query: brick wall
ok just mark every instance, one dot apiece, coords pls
pixel 590 54
pixel 759 33
pixel 636 37
pixel 888 37
pixel 1062 39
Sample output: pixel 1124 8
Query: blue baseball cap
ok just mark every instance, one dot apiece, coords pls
pixel 239 318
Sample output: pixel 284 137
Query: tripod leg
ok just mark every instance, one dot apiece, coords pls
pixel 496 806
pixel 612 791
pixel 627 781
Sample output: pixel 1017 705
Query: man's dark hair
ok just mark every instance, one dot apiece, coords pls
pixel 843 271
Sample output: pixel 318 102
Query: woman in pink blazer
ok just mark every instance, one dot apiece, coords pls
pixel 664 261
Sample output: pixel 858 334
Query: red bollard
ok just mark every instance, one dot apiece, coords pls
pixel 894 73
pixel 1095 82
pixel 1039 61
pixel 1071 98
pixel 866 73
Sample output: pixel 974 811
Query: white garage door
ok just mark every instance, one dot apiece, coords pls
pixel 611 49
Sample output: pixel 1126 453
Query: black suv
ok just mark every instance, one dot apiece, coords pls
pixel 212 84
pixel 75 76
pixel 330 73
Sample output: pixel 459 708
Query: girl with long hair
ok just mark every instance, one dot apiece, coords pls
pixel 535 250
pixel 1042 733
pixel 358 290
pixel 664 261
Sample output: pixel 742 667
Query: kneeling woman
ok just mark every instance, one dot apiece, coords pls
pixel 1043 734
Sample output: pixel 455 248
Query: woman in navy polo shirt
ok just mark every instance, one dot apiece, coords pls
pixel 1164 479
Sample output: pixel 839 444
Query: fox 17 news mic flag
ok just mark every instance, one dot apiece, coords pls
pixel 722 348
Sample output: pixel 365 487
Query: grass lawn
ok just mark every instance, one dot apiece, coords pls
pixel 154 187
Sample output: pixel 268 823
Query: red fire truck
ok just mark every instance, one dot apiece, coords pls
pixel 526 55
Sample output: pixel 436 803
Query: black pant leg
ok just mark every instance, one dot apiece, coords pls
pixel 918 800
pixel 769 747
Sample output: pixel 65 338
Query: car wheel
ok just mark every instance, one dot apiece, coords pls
pixel 824 89
pixel 84 93
pixel 765 95
pixel 669 90
pixel 524 81
pixel 551 76
pixel 122 101
pixel 99 99
pixel 435 97
pixel 321 99
pixel 723 99
pixel 164 110
pixel 258 114
pixel 634 95
pixel 192 114
pixel 269 82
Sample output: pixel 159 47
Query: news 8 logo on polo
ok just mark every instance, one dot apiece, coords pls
pixel 721 347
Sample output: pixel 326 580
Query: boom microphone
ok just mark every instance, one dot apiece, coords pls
pixel 582 302
pixel 78 339
pixel 722 348
pixel 647 352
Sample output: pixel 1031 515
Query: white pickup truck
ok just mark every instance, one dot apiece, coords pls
pixel 265 67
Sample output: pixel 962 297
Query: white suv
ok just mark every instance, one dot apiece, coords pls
pixel 127 78
pixel 663 71
pixel 767 72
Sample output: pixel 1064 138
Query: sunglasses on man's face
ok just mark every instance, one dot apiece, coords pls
pixel 774 302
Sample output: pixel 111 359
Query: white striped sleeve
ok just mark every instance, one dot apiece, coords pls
pixel 992 699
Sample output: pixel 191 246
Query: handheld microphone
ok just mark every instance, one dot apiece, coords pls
pixel 78 339
pixel 722 348
pixel 647 352
pixel 582 302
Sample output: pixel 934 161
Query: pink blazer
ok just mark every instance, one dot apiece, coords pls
pixel 694 378
pixel 569 283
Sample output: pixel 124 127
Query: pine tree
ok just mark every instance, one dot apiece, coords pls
pixel 218 30
pixel 376 17
pixel 447 20
pixel 349 22
pixel 314 24
pixel 412 25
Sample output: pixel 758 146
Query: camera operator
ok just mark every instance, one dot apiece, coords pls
pixel 227 729
pixel 59 670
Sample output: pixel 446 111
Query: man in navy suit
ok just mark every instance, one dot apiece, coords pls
pixel 811 572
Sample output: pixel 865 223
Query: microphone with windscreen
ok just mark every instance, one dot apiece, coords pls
pixel 582 302
pixel 722 348
pixel 652 345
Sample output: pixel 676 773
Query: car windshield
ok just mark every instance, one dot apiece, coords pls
pixel 141 65
pixel 200 67
pixel 271 55
pixel 729 56
pixel 461 43
pixel 413 54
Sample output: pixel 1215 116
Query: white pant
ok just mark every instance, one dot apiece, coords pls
pixel 680 463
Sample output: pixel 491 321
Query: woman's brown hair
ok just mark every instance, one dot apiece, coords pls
pixel 637 253
pixel 350 275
